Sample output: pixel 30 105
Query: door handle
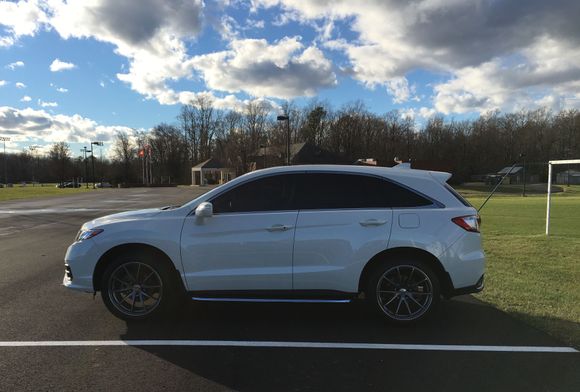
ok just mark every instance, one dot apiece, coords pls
pixel 372 222
pixel 279 228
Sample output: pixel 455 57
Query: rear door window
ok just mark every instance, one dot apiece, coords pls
pixel 347 191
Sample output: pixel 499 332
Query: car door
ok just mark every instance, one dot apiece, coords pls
pixel 343 222
pixel 247 244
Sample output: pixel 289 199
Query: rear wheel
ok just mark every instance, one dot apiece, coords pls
pixel 138 287
pixel 403 291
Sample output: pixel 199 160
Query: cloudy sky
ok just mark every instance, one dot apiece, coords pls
pixel 81 69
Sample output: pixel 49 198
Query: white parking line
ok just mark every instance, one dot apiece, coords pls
pixel 275 344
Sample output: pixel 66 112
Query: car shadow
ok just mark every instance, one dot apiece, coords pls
pixel 461 321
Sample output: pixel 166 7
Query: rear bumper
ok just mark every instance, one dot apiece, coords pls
pixel 476 288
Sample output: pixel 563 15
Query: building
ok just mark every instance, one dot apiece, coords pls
pixel 516 176
pixel 568 177
pixel 211 172
pixel 300 154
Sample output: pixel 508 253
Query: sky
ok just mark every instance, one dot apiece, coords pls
pixel 82 70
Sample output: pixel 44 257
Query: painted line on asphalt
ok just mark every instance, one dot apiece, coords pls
pixel 278 344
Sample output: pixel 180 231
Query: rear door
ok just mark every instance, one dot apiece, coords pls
pixel 344 220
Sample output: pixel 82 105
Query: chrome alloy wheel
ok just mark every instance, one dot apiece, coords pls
pixel 404 292
pixel 135 289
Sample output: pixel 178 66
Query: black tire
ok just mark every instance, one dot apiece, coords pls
pixel 138 286
pixel 403 290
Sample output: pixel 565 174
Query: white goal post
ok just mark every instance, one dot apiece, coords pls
pixel 550 164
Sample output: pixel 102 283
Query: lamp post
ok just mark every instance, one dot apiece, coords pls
pixel 33 152
pixel 5 139
pixel 524 190
pixel 84 150
pixel 263 147
pixel 93 159
pixel 287 119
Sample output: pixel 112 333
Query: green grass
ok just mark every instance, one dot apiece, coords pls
pixel 31 192
pixel 531 276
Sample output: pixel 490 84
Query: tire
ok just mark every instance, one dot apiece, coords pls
pixel 138 286
pixel 404 291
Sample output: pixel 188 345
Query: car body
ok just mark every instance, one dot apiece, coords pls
pixel 103 185
pixel 316 233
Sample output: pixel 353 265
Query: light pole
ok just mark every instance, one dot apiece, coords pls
pixel 5 139
pixel 287 119
pixel 263 147
pixel 84 150
pixel 33 152
pixel 524 190
pixel 93 159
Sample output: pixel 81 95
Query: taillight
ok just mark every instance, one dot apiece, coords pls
pixel 468 222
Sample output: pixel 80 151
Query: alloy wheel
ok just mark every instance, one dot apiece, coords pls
pixel 135 289
pixel 404 292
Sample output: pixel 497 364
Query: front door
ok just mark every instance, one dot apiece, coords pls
pixel 248 243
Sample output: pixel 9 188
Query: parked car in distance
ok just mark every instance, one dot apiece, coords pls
pixel 398 237
pixel 68 185
pixel 103 185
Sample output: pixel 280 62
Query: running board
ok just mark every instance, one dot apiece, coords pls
pixel 276 300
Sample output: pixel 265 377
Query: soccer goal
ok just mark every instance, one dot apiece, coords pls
pixel 550 164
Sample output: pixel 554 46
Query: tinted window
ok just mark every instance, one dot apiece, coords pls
pixel 331 191
pixel 457 196
pixel 266 194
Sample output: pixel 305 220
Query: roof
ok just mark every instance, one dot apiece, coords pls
pixel 211 163
pixel 507 168
pixel 380 170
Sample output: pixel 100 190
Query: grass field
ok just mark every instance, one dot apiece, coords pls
pixel 531 276
pixel 30 192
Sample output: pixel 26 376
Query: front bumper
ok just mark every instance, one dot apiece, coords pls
pixel 80 261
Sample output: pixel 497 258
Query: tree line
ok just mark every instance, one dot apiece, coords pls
pixel 468 147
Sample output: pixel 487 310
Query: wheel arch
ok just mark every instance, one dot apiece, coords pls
pixel 115 251
pixel 421 254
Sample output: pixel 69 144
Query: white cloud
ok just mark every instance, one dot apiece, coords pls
pixel 58 65
pixel 469 41
pixel 150 33
pixel 284 69
pixel 547 75
pixel 22 18
pixel 38 125
pixel 62 90
pixel 422 113
pixel 47 104
pixel 26 98
pixel 20 85
pixel 3 83
pixel 14 65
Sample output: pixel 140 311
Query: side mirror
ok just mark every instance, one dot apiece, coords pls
pixel 204 210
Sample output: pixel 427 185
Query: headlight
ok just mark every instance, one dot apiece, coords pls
pixel 86 234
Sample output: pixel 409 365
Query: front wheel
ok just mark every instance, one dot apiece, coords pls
pixel 138 287
pixel 403 291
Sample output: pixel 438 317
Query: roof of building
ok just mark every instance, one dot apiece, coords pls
pixel 211 163
pixel 507 168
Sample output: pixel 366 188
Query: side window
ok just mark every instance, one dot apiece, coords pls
pixel 273 193
pixel 334 190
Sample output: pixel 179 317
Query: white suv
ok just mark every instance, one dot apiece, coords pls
pixel 400 238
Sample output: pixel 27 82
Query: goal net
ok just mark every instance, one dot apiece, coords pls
pixel 549 201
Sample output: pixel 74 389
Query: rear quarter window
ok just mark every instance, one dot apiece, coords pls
pixel 457 196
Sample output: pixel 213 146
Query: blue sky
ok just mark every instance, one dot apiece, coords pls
pixel 79 71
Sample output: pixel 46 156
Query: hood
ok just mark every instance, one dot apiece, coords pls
pixel 123 216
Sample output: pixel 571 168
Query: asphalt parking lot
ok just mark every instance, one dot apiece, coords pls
pixel 238 346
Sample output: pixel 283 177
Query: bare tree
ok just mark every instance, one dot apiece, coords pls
pixel 124 152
